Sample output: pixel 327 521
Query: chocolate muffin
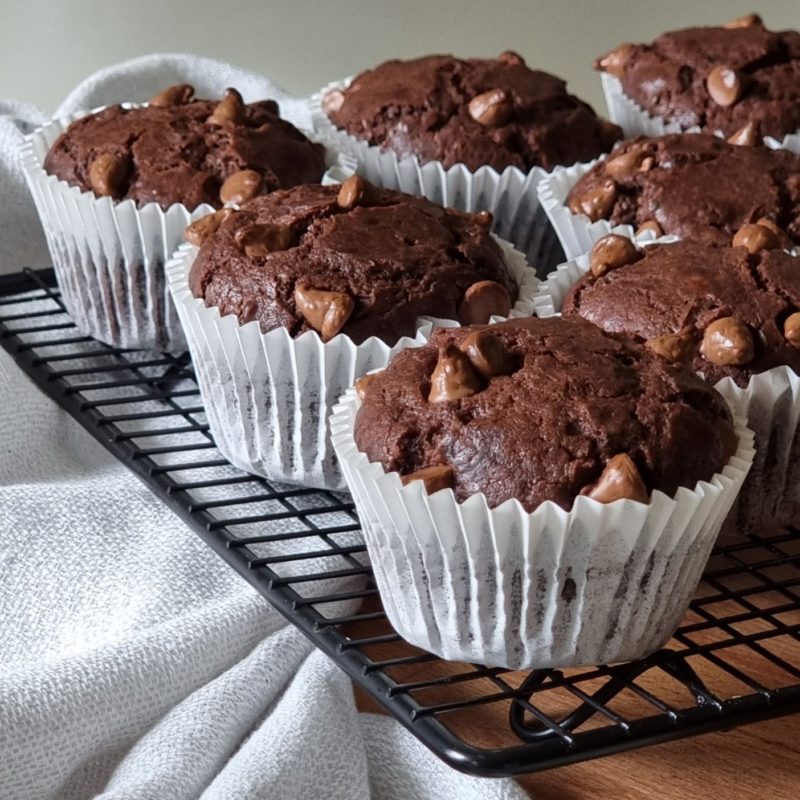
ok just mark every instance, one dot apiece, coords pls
pixel 477 112
pixel 692 185
pixel 180 150
pixel 726 312
pixel 721 78
pixel 542 409
pixel 354 259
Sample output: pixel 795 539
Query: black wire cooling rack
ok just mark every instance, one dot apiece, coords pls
pixel 736 658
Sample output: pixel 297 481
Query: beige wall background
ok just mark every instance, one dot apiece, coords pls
pixel 47 46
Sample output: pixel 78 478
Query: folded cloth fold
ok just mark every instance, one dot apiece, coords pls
pixel 135 664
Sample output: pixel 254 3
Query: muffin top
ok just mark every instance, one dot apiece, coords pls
pixel 478 112
pixel 692 185
pixel 718 78
pixel 180 150
pixel 724 311
pixel 542 409
pixel 353 259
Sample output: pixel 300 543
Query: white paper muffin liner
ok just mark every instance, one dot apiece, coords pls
pixel 551 588
pixel 268 396
pixel 635 121
pixel 109 256
pixel 770 403
pixel 510 195
pixel 771 493
pixel 576 232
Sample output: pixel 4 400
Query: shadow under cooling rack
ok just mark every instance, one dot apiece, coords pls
pixel 736 658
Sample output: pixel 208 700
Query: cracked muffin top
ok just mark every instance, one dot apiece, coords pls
pixel 726 311
pixel 181 150
pixel 719 78
pixel 352 259
pixel 542 409
pixel 692 185
pixel 477 112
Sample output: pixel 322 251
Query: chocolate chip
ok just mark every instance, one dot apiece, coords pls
pixel 259 239
pixel 628 164
pixel 332 101
pixel 747 136
pixel 355 191
pixel 620 480
pixel 484 218
pixel 241 186
pixel 756 238
pixel 614 61
pixel 108 175
pixel 672 347
pixel 178 95
pixel 652 226
pixel 202 228
pixel 487 354
pixel 325 312
pixel 727 342
pixel 483 300
pixel 362 384
pixel 453 377
pixel 766 222
pixel 791 329
pixel 512 58
pixel 724 86
pixel 784 242
pixel 746 21
pixel 597 203
pixel 248 312
pixel 433 478
pixel 493 108
pixel 611 252
pixel 229 111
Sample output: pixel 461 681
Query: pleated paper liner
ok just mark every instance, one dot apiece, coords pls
pixel 109 257
pixel 770 403
pixel 268 396
pixel 635 121
pixel 510 195
pixel 504 587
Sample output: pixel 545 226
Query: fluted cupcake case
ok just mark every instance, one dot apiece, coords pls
pixel 771 493
pixel 504 587
pixel 770 403
pixel 510 195
pixel 109 256
pixel 268 396
pixel 635 121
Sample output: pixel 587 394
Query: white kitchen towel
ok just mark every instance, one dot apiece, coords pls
pixel 135 664
pixel 21 236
